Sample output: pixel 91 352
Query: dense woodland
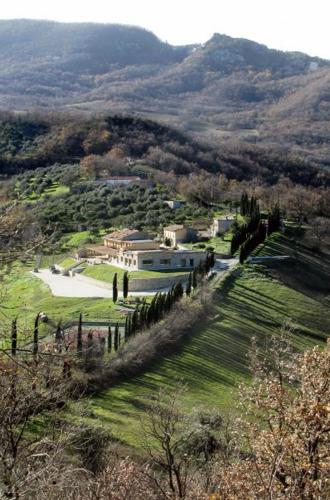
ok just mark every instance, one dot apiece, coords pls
pixel 227 91
pixel 29 142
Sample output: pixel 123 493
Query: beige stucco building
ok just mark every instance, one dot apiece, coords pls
pixel 178 233
pixel 158 260
pixel 134 250
pixel 221 225
pixel 130 239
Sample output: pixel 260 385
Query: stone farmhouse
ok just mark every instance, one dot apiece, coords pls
pixel 221 225
pixel 134 250
pixel 178 233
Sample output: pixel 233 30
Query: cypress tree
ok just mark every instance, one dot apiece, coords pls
pixel 168 301
pixel 126 329
pixel 109 339
pixel 116 339
pixel 125 285
pixel 194 278
pixel 36 335
pixel 135 320
pixel 58 333
pixel 79 336
pixel 189 284
pixel 14 337
pixel 115 288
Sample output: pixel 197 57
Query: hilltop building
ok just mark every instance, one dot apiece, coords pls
pixel 134 250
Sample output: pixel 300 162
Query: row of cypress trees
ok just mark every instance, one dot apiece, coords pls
pixel 252 242
pixel 248 236
pixel 115 286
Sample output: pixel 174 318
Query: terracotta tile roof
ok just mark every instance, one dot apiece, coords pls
pixel 101 250
pixel 119 235
pixel 174 227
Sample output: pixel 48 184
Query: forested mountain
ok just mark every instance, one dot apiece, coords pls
pixel 139 146
pixel 227 90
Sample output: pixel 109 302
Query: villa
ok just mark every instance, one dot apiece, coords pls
pixel 135 250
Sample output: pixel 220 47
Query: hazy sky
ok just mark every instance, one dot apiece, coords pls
pixel 284 24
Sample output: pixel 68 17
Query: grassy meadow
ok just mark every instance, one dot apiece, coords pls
pixel 255 301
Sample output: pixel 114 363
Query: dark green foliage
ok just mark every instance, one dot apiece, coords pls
pixel 125 285
pixel 115 288
pixel 274 220
pixel 36 335
pixel 252 242
pixel 244 205
pixel 194 279
pixel 116 338
pixel 109 339
pixel 14 337
pixel 79 336
pixel 189 285
pixel 58 333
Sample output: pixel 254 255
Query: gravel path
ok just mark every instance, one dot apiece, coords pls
pixel 65 286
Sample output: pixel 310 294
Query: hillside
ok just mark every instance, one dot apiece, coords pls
pixel 227 90
pixel 140 147
pixel 256 301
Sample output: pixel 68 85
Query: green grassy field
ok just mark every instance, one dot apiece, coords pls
pixel 105 272
pixel 23 296
pixel 212 361
pixel 56 189
pixel 220 245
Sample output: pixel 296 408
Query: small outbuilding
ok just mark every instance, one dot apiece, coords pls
pixel 222 224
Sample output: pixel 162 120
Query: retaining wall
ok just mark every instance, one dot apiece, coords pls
pixel 137 284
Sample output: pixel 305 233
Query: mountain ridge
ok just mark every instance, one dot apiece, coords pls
pixel 224 91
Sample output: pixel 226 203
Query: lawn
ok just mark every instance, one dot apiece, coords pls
pixel 105 272
pixel 23 296
pixel 56 189
pixel 220 244
pixel 212 361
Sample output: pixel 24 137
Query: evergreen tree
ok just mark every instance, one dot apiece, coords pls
pixel 116 339
pixel 135 320
pixel 244 204
pixel 125 285
pixel 14 337
pixel 58 333
pixel 189 285
pixel 109 339
pixel 115 288
pixel 79 336
pixel 126 334
pixel 36 335
pixel 194 278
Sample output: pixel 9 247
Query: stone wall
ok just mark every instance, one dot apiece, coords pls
pixel 137 284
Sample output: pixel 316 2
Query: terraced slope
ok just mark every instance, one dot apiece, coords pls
pixel 255 301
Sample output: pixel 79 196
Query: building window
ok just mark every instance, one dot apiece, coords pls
pixel 191 262
pixel 148 262
pixel 165 261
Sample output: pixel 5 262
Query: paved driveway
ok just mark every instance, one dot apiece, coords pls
pixel 66 286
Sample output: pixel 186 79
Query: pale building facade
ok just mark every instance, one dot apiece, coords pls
pixel 221 225
pixel 158 260
pixel 178 233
